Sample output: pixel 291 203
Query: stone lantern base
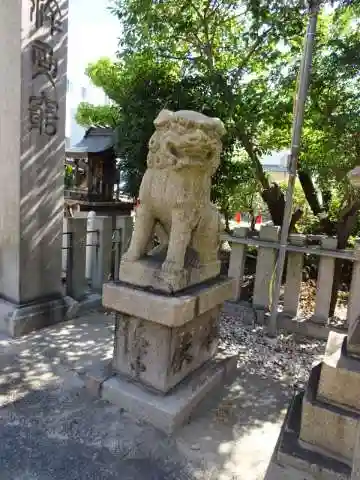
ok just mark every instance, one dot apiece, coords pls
pixel 320 434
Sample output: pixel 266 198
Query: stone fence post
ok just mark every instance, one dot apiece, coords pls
pixel 102 270
pixel 294 272
pixel 75 276
pixel 265 266
pixel 353 312
pixel 324 282
pixel 237 261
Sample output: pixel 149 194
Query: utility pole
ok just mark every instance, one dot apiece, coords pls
pixel 301 94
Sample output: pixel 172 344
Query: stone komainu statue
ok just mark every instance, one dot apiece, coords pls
pixel 184 152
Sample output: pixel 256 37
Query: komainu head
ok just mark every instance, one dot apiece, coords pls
pixel 186 139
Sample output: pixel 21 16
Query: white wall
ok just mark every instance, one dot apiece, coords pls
pixel 93 33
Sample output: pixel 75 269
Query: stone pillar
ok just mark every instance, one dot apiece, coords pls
pixel 76 281
pixel 237 261
pixel 294 276
pixel 102 271
pixel 90 242
pixel 33 58
pixel 324 282
pixel 265 267
pixel 116 254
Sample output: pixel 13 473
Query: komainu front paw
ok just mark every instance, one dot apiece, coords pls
pixel 171 268
pixel 130 256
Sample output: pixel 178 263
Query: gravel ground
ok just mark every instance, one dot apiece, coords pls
pixel 285 358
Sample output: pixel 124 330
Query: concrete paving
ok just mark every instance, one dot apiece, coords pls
pixel 51 428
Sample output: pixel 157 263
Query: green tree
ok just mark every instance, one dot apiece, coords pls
pixel 68 176
pixel 235 60
pixel 140 87
pixel 238 47
pixel 331 140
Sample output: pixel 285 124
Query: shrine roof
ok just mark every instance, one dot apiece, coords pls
pixel 95 140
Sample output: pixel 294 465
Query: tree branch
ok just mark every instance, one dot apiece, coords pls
pixel 251 52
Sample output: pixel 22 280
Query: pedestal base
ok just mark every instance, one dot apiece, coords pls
pixel 18 320
pixel 293 461
pixel 327 428
pixel 164 347
pixel 339 382
pixel 168 412
pixel 147 273
pixel 160 339
pixel 324 422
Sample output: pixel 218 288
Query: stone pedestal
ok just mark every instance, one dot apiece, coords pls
pixel 326 417
pixel 147 273
pixel 165 350
pixel 33 38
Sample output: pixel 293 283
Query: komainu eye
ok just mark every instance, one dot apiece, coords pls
pixel 173 151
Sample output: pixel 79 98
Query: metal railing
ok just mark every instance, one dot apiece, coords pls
pixel 116 252
pixel 303 251
pixel 91 245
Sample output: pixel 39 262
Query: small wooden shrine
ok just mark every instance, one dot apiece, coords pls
pixel 95 183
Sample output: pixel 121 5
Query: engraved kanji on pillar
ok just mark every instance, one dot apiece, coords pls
pixel 43 107
pixel 46 12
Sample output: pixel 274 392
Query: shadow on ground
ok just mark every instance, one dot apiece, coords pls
pixel 231 435
pixel 234 431
pixel 30 362
pixel 76 344
pixel 57 433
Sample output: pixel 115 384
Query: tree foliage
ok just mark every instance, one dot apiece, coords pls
pixel 238 61
pixel 218 57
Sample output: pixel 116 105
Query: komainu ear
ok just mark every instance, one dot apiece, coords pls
pixel 163 117
pixel 219 127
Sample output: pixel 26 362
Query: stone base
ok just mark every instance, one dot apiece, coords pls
pixel 339 382
pixel 159 356
pixel 20 320
pixel 160 339
pixel 147 273
pixel 327 428
pixel 171 311
pixel 168 412
pixel 292 461
pixel 325 421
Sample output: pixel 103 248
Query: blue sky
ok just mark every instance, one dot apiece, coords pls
pixel 93 33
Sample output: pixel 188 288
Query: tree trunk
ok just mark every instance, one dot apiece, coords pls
pixel 344 229
pixel 252 220
pixel 227 220
pixel 326 226
pixel 310 192
pixel 274 199
pixel 271 193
